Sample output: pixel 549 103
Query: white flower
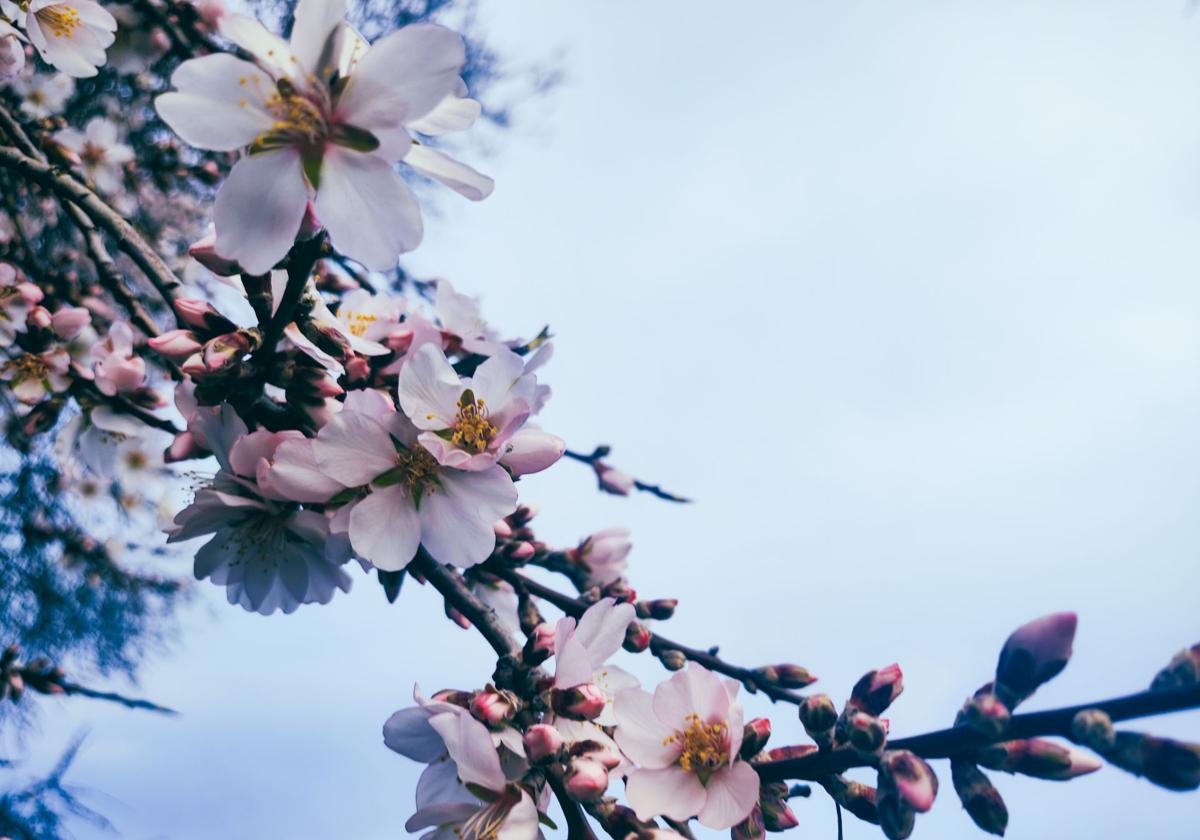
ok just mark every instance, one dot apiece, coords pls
pixel 605 555
pixel 466 423
pixel 72 35
pixel 323 118
pixel 411 500
pixel 43 94
pixel 582 651
pixel 684 740
pixel 118 368
pixel 12 51
pixel 17 297
pixel 267 555
pixel 34 375
pixel 101 154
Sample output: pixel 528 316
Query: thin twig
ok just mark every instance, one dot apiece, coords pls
pixel 113 697
pixel 452 587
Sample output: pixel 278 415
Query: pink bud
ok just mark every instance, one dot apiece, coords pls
pixel 204 251
pixel 519 551
pixel 69 321
pixel 182 448
pixel 502 529
pixel 1033 654
pixel 542 741
pixel 531 451
pixel 910 777
pixel 194 365
pixel 608 757
pixel 542 637
pixel 583 702
pixel 586 779
pixel 176 344
pixel 493 707
pixel 30 293
pixel 224 350
pixel 754 737
pixel 358 368
pixel 613 480
pixel 637 637
pixel 39 318
pixel 877 690
pixel 201 315
pixel 1039 758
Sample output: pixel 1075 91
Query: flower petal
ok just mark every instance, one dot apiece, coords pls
pixel 457 176
pixel 408 732
pixel 429 389
pixel 646 740
pixel 732 795
pixel 670 792
pixel 695 690
pixel 470 745
pixel 384 529
pixel 218 103
pixel 457 519
pixel 259 208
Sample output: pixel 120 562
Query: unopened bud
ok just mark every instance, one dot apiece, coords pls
pixel 777 815
pixel 583 702
pixel 586 779
pixel 855 797
pixel 754 737
pixel 1093 728
pixel 1038 758
pixel 660 609
pixel 42 416
pixel 986 714
pixel 39 318
pixel 204 251
pixel 316 382
pixel 518 551
pixel 176 344
pixel 791 751
pixel 979 797
pixel 637 637
pixel 877 690
pixel 494 707
pixel 866 733
pixel 751 828
pixel 1034 653
pixel 672 659
pixel 819 716
pixel 910 778
pixel 793 676
pixel 540 645
pixel 542 741
pixel 896 818
pixel 1174 765
pixel 612 480
pixel 201 315
pixel 454 697
pixel 1183 670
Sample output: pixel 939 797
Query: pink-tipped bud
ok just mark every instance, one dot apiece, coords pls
pixel 176 344
pixel 819 716
pixel 986 714
pixel 201 315
pixel 751 828
pixel 754 737
pixel 607 756
pixel 225 351
pixel 69 321
pixel 660 609
pixel 358 368
pixel 204 251
pixel 454 697
pixel 979 797
pixel 531 451
pixel 877 690
pixel 39 318
pixel 787 675
pixel 542 741
pixel 1033 654
pixel 1039 758
pixel 777 815
pixel 182 448
pixel 494 707
pixel 583 702
pixel 519 551
pixel 637 637
pixel 671 659
pixel 30 293
pixel 910 777
pixel 502 529
pixel 1093 728
pixel 586 779
pixel 316 382
pixel 612 480
pixel 866 733
pixel 1182 671
pixel 540 645
pixel 193 365
pixel 896 818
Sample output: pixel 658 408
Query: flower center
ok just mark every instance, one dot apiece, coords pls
pixel 26 366
pixel 300 117
pixel 358 322
pixel 472 428
pixel 415 469
pixel 92 154
pixel 62 20
pixel 705 745
pixel 485 824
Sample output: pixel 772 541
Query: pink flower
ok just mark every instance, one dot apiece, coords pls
pixel 34 375
pixel 684 740
pixel 542 741
pixel 604 554
pixel 69 321
pixel 117 368
pixel 612 480
pixel 582 651
pixel 176 344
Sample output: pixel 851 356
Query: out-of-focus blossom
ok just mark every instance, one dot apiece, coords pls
pixel 685 740
pixel 101 154
pixel 72 35
pixel 43 94
pixel 604 554
pixel 17 298
pixel 12 51
pixel 34 375
pixel 118 369
pixel 322 118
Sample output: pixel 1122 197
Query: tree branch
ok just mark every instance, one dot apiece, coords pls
pixel 452 587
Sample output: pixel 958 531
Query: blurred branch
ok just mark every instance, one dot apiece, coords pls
pixel 617 483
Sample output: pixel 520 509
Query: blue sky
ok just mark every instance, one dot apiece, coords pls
pixel 904 294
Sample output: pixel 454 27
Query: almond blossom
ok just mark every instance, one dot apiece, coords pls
pixel 324 118
pixel 17 298
pixel 684 739
pixel 582 650
pixel 267 555
pixel 118 368
pixel 12 51
pixel 43 94
pixel 72 35
pixel 411 500
pixel 101 154
pixel 34 375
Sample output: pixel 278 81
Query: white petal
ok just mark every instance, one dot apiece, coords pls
pixel 640 734
pixel 296 475
pixel 218 103
pixel 732 795
pixel 384 529
pixel 457 176
pixel 454 113
pixel 470 745
pixel 354 448
pixel 259 41
pixel 367 208
pixel 695 690
pixel 408 732
pixel 457 518
pixel 429 389
pixel 259 208
pixel 669 792
pixel 315 20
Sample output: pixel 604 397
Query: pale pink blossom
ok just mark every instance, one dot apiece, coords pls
pixel 101 154
pixel 72 35
pixel 12 51
pixel 582 650
pixel 605 555
pixel 32 376
pixel 118 369
pixel 684 740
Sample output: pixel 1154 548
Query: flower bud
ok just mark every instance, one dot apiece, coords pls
pixel 659 609
pixel 12 55
pixel 855 797
pixel 69 321
pixel 791 751
pixel 604 554
pixel 531 451
pixel 1034 654
pixel 777 815
pixel 1183 670
pixel 204 251
pixel 621 591
pixel 494 707
pixel 518 551
pixel 896 818
pixel 201 315
pixel 316 382
pixel 454 697
pixel 819 716
pixel 637 637
pixel 877 690
pixel 1039 758
pixel 583 702
pixel 182 448
pixel 39 318
pixel 910 778
pixel 612 480
pixel 176 344
pixel 980 799
pixel 542 741
pixel 985 714
pixel 540 644
pixel 586 779
pixel 194 365
pixel 1093 728
pixel 866 733
pixel 751 828
pixel 672 659
pixel 1174 765
pixel 226 350
pixel 754 737
pixel 792 676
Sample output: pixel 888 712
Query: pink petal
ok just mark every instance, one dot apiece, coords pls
pixel 670 791
pixel 732 795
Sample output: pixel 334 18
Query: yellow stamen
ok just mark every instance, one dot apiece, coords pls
pixel 472 429
pixel 705 745
pixel 62 20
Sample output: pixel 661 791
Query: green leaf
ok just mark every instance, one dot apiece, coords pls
pixel 355 138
